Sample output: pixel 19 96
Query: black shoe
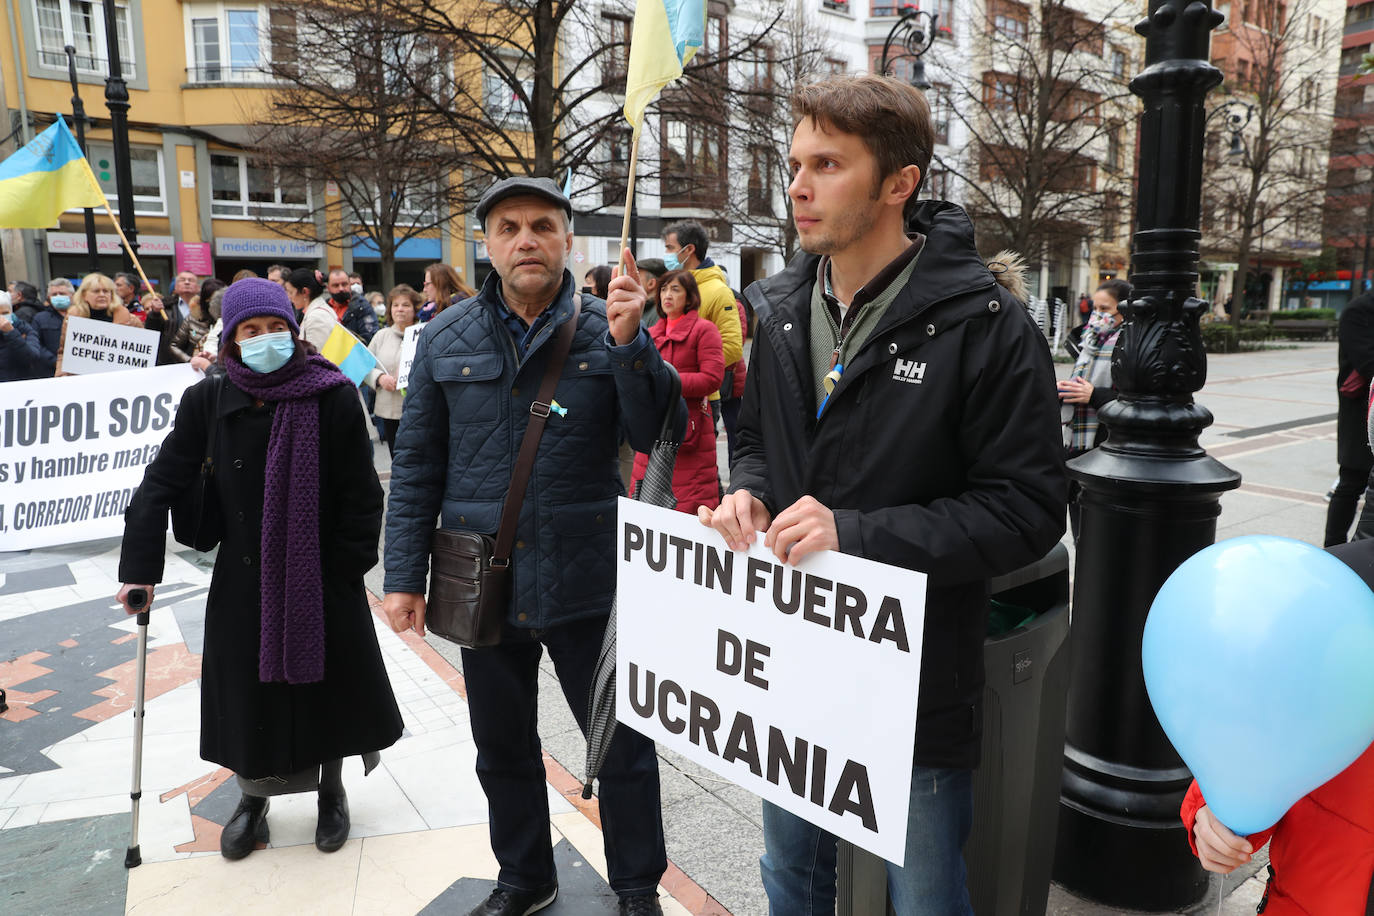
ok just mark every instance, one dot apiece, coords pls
pixel 506 902
pixel 331 830
pixel 640 905
pixel 246 828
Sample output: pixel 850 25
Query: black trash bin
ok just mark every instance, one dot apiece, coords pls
pixel 1016 789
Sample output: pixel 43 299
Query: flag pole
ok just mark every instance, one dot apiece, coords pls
pixel 110 213
pixel 629 197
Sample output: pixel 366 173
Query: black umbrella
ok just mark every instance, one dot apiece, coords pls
pixel 656 489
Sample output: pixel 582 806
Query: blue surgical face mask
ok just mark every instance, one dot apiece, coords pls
pixel 267 352
pixel 61 302
pixel 671 262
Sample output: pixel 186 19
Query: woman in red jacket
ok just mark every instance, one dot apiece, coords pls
pixel 1321 858
pixel 694 349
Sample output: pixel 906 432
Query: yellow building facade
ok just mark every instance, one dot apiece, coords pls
pixel 197 85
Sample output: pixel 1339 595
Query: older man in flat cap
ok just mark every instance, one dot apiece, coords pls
pixel 476 374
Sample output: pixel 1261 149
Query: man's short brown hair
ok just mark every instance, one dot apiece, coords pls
pixel 891 117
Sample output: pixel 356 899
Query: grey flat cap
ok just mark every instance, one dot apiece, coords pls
pixel 520 186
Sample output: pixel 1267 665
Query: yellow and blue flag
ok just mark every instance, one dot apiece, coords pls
pixel 348 353
pixel 44 177
pixel 665 36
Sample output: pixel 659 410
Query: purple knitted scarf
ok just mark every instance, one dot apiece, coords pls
pixel 291 645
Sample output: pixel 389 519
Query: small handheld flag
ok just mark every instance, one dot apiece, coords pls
pixel 348 353
pixel 44 177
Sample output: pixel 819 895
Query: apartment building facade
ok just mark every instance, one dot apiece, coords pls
pixel 199 88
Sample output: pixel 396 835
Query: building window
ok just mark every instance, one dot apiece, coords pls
pixel 761 159
pixel 1000 92
pixel 1114 147
pixel 613 188
pixel 944 22
pixel 616 60
pixel 1111 216
pixel 81 24
pixel 241 43
pixel 245 187
pixel 499 97
pixel 693 163
pixel 835 67
pixel 836 6
pixel 145 168
pixel 940 110
pixel 937 185
pixel 1118 63
pixel 1009 20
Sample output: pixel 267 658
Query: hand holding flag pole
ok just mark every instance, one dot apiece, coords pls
pixel 665 36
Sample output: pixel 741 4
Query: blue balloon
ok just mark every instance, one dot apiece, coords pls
pixel 1259 659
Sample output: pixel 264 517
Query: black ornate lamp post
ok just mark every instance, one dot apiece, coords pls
pixel 79 116
pixel 1151 497
pixel 912 34
pixel 117 101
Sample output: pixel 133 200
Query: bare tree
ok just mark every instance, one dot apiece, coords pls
pixel 1349 212
pixel 1042 117
pixel 755 110
pixel 1269 177
pixel 528 77
pixel 344 114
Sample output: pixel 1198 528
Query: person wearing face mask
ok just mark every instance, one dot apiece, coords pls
pixel 350 308
pixel 48 320
pixel 305 289
pixel 1089 385
pixel 292 679
pixel 20 356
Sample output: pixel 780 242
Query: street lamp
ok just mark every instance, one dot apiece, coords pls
pixel 79 116
pixel 117 101
pixel 1150 497
pixel 912 33
pixel 1237 116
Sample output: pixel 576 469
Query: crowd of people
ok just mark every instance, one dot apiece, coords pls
pixel 870 352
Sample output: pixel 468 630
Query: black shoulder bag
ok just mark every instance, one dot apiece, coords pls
pixel 470 573
pixel 197 520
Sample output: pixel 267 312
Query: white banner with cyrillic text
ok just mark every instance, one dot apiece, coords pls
pixel 73 450
pixel 796 683
pixel 103 346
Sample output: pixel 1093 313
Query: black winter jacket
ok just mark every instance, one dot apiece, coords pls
pixel 1355 352
pixel 958 475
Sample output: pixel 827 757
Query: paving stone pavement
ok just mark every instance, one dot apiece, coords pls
pixel 64 753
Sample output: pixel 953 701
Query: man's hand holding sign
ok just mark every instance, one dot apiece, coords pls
pixel 748 661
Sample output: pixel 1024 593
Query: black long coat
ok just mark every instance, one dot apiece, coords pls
pixel 252 728
pixel 1356 351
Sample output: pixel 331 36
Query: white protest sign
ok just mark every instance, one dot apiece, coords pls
pixel 409 341
pixel 103 346
pixel 73 450
pixel 798 684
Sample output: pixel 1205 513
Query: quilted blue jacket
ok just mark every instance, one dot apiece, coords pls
pixel 464 413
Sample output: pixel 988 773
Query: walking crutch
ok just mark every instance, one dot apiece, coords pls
pixel 138 600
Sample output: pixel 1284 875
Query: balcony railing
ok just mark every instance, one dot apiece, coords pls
pixel 226 73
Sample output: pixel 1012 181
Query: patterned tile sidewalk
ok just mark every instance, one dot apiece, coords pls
pixel 419 837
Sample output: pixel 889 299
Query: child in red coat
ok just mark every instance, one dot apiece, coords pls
pixel 1321 854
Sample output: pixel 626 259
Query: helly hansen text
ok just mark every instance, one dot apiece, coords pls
pixel 909 371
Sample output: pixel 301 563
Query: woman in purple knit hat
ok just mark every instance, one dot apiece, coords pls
pixel 292 678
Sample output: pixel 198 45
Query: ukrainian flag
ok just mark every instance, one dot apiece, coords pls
pixel 665 36
pixel 45 177
pixel 348 353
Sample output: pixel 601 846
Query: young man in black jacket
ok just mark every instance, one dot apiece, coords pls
pixel 900 406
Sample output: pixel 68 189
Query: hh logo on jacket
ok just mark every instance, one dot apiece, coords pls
pixel 909 371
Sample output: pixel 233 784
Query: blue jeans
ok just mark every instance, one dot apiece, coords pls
pixel 799 862
pixel 503 700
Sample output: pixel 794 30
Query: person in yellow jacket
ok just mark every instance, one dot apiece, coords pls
pixel 686 245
